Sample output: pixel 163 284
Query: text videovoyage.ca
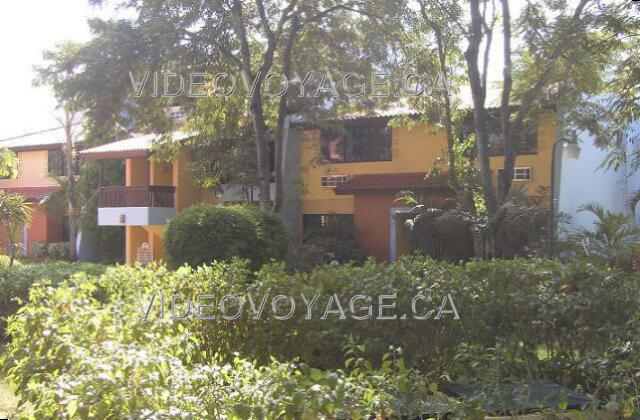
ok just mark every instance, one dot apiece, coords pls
pixel 359 307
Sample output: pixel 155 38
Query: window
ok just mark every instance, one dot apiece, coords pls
pixel 314 222
pixel 357 143
pixel 56 162
pixel 333 180
pixel 177 114
pixel 522 173
pixel 526 140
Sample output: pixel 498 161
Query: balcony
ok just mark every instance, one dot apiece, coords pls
pixel 136 206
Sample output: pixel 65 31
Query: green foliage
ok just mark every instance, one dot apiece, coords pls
pixel 39 251
pixel 108 242
pixel 455 230
pixel 519 320
pixel 612 237
pixel 5 262
pixel 16 281
pixel 103 359
pixel 43 251
pixel 58 250
pixel 337 240
pixel 8 164
pixel 206 233
pixel 15 214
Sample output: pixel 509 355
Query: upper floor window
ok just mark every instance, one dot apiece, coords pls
pixel 526 139
pixel 357 143
pixel 56 163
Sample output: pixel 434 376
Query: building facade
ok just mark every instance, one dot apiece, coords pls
pixel 356 168
pixel 352 171
pixel 39 157
pixel 153 193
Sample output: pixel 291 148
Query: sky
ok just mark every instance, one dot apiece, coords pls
pixel 28 27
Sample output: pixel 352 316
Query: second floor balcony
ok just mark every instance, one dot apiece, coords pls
pixel 136 206
pixel 145 196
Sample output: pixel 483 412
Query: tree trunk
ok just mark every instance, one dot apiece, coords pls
pixel 508 141
pixel 478 92
pixel 262 149
pixel 453 176
pixel 283 112
pixel 12 247
pixel 71 185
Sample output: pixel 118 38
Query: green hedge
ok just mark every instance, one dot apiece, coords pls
pixel 16 281
pixel 519 319
pixel 206 233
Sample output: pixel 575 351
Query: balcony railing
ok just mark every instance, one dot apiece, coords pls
pixel 150 196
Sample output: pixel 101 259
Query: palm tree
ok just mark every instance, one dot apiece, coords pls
pixel 15 214
pixel 613 237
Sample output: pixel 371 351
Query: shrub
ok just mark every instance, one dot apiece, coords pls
pixel 59 250
pixel 43 251
pixel 519 319
pixel 39 251
pixel 16 281
pixel 338 240
pixel 205 233
pixel 305 257
pixel 4 262
pixel 68 360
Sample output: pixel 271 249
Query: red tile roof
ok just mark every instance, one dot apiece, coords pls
pixel 388 182
pixel 31 193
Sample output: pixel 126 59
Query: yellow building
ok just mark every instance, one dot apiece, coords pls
pixel 153 193
pixel 353 171
pixel 40 156
pixel 356 169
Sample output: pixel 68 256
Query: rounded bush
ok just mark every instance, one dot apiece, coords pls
pixel 206 233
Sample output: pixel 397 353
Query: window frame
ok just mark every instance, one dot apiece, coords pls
pixel 333 181
pixel 516 170
pixel 370 136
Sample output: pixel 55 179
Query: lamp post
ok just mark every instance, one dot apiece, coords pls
pixel 572 152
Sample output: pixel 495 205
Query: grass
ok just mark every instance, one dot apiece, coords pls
pixel 8 400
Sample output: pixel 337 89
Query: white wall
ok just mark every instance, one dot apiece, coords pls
pixel 583 180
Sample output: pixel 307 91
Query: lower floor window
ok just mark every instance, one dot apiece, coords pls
pixel 521 173
pixel 314 222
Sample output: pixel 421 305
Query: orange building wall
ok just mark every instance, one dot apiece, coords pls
pixel 164 174
pixel 413 150
pixel 32 171
pixel 43 228
pixel 372 219
pixel 136 172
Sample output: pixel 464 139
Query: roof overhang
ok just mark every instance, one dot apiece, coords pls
pixel 31 194
pixel 133 147
pixel 125 154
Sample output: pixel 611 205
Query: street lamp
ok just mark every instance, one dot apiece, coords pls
pixel 571 151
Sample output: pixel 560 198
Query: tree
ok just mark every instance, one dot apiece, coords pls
pixel 15 214
pixel 247 37
pixel 8 164
pixel 71 123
